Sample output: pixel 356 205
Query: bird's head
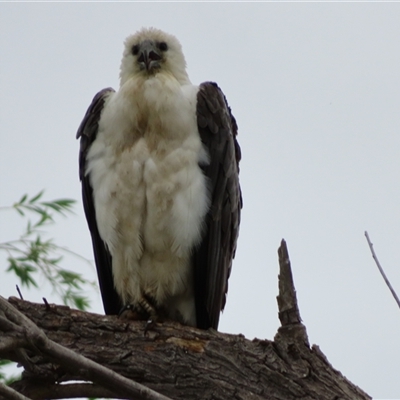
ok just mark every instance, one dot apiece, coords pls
pixel 150 51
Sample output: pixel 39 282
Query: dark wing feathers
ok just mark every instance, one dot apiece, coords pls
pixel 212 259
pixel 87 132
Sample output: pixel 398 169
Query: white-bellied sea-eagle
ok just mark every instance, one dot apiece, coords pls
pixel 159 171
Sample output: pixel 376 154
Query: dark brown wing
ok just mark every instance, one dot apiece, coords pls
pixel 212 259
pixel 87 132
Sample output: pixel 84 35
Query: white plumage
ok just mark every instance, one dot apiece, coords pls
pixel 149 125
pixel 143 178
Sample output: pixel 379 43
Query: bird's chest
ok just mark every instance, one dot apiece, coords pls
pixel 157 110
pixel 154 191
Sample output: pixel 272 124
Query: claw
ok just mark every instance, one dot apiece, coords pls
pixel 132 313
pixel 150 325
pixel 126 308
pixel 143 310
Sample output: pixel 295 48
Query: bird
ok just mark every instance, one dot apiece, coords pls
pixel 159 170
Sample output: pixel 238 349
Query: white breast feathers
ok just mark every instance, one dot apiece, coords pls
pixel 150 194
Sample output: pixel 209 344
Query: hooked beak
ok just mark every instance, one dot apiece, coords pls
pixel 149 56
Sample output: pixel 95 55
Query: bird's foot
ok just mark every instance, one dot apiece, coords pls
pixel 150 326
pixel 132 313
pixel 143 310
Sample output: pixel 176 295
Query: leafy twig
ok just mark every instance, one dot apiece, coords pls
pixel 31 254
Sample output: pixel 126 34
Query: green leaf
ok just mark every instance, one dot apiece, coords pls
pixel 23 199
pixel 20 212
pixel 81 303
pixel 31 255
pixel 76 300
pixel 37 197
pixel 45 217
pixel 23 270
pixel 54 261
pixel 61 205
pixel 29 227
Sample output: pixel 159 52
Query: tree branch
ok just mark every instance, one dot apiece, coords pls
pixel 292 334
pixel 381 269
pixel 287 300
pixel 8 393
pixel 70 360
pixel 43 390
pixel 180 362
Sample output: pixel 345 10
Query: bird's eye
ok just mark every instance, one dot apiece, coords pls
pixel 135 49
pixel 163 46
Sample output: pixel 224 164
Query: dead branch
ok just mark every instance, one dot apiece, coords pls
pixel 9 393
pixel 46 390
pixel 378 264
pixel 30 336
pixel 180 362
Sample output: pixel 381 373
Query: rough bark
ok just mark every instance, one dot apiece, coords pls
pixel 176 361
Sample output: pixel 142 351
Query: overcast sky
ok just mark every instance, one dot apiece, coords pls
pixel 315 89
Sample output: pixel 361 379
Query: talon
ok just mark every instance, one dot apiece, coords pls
pixel 127 307
pixel 132 313
pixel 143 310
pixel 150 325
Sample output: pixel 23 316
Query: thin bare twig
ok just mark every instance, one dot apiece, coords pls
pixel 19 292
pixel 381 269
pixel 46 303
